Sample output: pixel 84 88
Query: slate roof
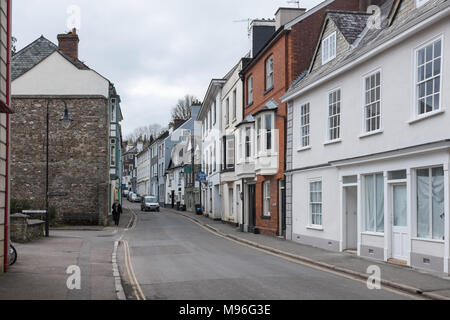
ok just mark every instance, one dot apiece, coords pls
pixel 33 54
pixel 350 24
pixel 372 38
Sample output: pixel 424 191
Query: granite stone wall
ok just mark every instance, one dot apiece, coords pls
pixel 79 157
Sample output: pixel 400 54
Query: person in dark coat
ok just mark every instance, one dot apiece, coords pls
pixel 116 212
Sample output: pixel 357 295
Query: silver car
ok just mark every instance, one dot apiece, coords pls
pixel 149 203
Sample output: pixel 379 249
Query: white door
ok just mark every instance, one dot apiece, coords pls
pixel 351 213
pixel 400 230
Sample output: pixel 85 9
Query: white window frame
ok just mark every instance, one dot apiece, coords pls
pixel 305 125
pixel 417 114
pixel 311 203
pixel 269 71
pixel 234 104
pixel 364 213
pixel 113 110
pixel 227 112
pixel 267 199
pixel 262 134
pixel 332 136
pixel 366 130
pixel 250 90
pixel 248 130
pixel 329 51
pixel 430 171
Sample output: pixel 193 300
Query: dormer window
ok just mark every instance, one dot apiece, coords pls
pixel 329 48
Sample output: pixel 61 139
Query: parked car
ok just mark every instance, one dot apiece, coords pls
pixel 126 193
pixel 133 197
pixel 149 203
pixel 137 198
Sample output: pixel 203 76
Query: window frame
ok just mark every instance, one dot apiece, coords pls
pixel 304 125
pixel 365 130
pixel 267 199
pixel 250 90
pixel 234 105
pixel 327 48
pixel 364 200
pixel 311 203
pixel 416 103
pixel 269 75
pixel 338 115
pixel 430 204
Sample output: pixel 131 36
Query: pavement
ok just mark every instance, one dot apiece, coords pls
pixel 427 284
pixel 40 271
pixel 167 256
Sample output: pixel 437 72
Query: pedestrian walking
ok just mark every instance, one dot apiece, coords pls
pixel 116 212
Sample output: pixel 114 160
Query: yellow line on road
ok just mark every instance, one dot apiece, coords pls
pixel 131 274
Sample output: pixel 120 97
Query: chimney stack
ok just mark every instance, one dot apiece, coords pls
pixel 261 30
pixel 285 15
pixel 68 44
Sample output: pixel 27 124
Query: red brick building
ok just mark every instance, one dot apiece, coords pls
pixel 267 77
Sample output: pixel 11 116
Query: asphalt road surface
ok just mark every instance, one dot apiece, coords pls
pixel 176 259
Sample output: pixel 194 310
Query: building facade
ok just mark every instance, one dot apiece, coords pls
pixel 370 145
pixel 45 75
pixel 115 150
pixel 211 118
pixel 232 109
pixel 267 78
pixel 5 111
pixel 143 172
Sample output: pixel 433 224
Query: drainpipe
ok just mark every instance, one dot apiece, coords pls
pixel 8 97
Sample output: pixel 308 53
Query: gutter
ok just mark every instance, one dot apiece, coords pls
pixel 8 98
pixel 384 46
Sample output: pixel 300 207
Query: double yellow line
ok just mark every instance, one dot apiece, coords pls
pixel 131 274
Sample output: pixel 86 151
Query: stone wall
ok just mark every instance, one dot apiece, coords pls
pixel 78 161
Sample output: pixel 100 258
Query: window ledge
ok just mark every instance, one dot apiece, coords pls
pixel 428 240
pixel 316 228
pixel 426 116
pixel 327 143
pixel 268 90
pixel 369 233
pixel 266 217
pixel 370 134
pixel 304 149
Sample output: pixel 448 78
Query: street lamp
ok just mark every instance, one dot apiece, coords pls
pixel 66 121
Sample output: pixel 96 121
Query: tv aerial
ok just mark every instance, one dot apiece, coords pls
pixel 297 2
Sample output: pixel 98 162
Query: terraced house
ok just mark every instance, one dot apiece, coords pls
pixel 368 136
pixel 272 69
pixel 84 164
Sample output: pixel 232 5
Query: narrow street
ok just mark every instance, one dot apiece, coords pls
pixel 174 258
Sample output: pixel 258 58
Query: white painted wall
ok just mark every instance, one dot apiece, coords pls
pixel 57 76
pixel 398 92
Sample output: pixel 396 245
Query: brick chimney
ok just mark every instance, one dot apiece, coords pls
pixel 68 43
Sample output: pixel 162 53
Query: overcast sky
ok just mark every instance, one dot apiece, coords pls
pixel 155 52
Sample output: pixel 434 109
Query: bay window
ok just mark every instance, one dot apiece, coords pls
pixel 248 143
pixel 258 135
pixel 374 203
pixel 269 128
pixel 430 203
pixel 265 133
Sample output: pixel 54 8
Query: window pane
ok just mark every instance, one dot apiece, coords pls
pixel 423 203
pixel 369 203
pixel 397 175
pixel 400 206
pixel 380 203
pixel 438 203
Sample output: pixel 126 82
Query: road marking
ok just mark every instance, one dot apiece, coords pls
pixel 131 274
pixel 415 297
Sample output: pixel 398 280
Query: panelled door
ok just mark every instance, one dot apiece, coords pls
pixel 400 230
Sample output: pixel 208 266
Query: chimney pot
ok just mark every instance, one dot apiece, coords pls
pixel 68 44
